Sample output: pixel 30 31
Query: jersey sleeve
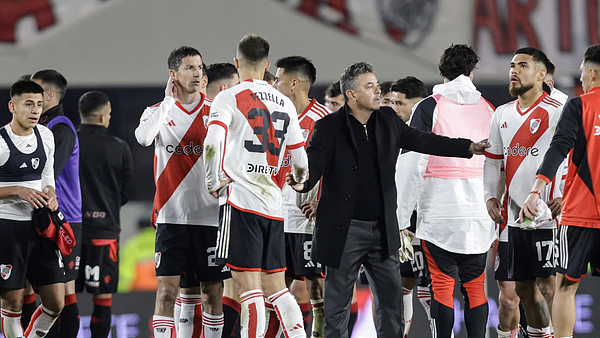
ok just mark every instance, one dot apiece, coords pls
pixel 221 114
pixel 151 121
pixel 48 171
pixel 493 161
pixel 127 179
pixel 222 110
pixel 64 140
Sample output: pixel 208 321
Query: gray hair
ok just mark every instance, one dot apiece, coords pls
pixel 349 77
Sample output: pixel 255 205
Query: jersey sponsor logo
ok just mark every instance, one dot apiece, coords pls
pixel 518 150
pixel 157 256
pixel 261 169
pixel 185 150
pixel 94 214
pixel 92 276
pixel 597 132
pixel 24 165
pixel 534 125
pixel 504 125
pixel 287 161
pixel 35 162
pixel 5 270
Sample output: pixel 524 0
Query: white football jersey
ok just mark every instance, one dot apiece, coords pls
pixel 521 139
pixel 178 132
pixel 294 219
pixel 259 123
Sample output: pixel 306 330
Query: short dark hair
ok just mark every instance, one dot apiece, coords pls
pixel 538 55
pixel 24 87
pixel 25 77
pixel 270 78
pixel 385 87
pixel 53 78
pixel 551 68
pixel 218 71
pixel 457 60
pixel 411 87
pixel 253 48
pixel 90 102
pixel 299 65
pixel 177 55
pixel 334 89
pixel 592 54
pixel 349 78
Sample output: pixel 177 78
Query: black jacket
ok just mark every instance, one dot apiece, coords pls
pixel 333 155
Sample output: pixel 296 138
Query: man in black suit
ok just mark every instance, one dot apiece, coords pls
pixel 355 151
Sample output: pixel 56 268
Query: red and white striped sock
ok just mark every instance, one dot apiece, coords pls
pixel 544 332
pixel 186 319
pixel 212 325
pixel 274 329
pixel 514 333
pixel 177 314
pixel 289 313
pixel 11 324
pixel 163 327
pixel 41 322
pixel 252 315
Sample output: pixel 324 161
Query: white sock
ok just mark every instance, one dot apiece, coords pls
pixel 41 322
pixel 507 334
pixel 544 332
pixel 274 329
pixel 252 314
pixel 186 320
pixel 425 299
pixel 289 313
pixel 212 325
pixel 318 317
pixel 177 314
pixel 407 299
pixel 162 326
pixel 11 324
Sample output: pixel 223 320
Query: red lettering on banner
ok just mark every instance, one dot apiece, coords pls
pixel 519 20
pixel 11 11
pixel 564 25
pixel 592 18
pixel 486 16
pixel 310 7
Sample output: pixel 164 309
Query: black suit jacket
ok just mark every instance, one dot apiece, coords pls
pixel 333 155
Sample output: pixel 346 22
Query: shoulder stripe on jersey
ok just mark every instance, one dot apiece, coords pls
pixel 319 110
pixel 218 123
pixel 493 156
pixel 551 99
pixel 554 104
pixel 295 146
pixel 155 105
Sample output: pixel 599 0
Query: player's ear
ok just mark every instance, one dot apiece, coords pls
pixel 236 62
pixel 172 74
pixel 11 106
pixel 222 87
pixel 350 94
pixel 268 65
pixel 593 74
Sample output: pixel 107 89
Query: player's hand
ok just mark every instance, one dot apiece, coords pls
pixel 222 184
pixel 529 209
pixel 494 209
pixel 289 178
pixel 52 202
pixel 478 148
pixel 36 198
pixel 171 89
pixel 309 208
pixel 555 206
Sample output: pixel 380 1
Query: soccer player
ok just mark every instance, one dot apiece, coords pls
pixel 334 99
pixel 221 76
pixel 250 127
pixel 448 189
pixel 406 92
pixel 27 183
pixel 295 75
pixel 520 135
pixel 106 185
pixel 578 235
pixel 549 80
pixel 185 214
pixel 68 189
pixel 386 93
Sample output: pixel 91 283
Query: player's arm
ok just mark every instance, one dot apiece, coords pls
pixel 297 151
pixel 221 112
pixel 317 158
pixel 153 119
pixel 127 178
pixel 64 139
pixel 48 174
pixel 494 156
pixel 569 126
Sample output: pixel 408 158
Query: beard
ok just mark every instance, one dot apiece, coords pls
pixel 518 91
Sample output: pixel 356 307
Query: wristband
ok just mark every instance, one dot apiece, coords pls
pixel 535 192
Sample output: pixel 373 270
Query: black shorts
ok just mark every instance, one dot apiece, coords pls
pixel 531 253
pixel 297 254
pixel 26 256
pixel 73 261
pixel 99 271
pixel 180 246
pixel 249 242
pixel 419 267
pixel 578 246
pixel 501 262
